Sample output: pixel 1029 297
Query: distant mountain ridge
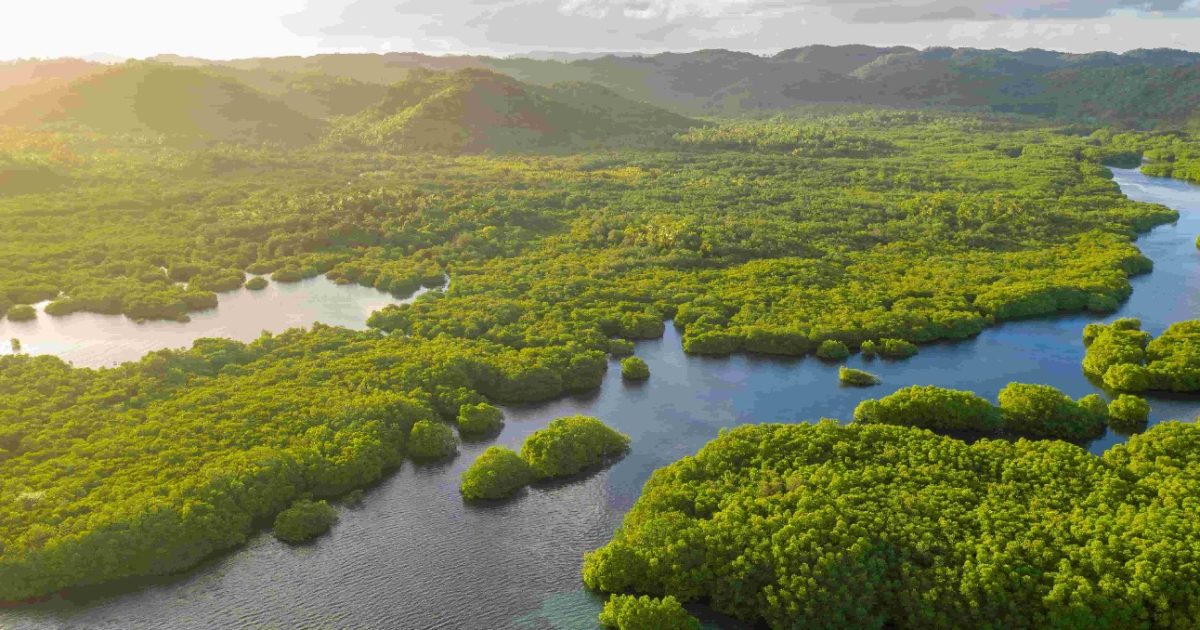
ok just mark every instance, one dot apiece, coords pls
pixel 295 100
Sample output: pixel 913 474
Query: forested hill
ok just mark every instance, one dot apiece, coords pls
pixel 471 111
pixel 1140 88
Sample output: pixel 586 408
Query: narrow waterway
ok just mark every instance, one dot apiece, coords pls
pixel 414 556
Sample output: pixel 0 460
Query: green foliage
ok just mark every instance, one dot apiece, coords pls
pixel 1126 359
pixel 832 350
pixel 304 520
pixel 21 313
pixel 856 378
pixel 1043 411
pixel 431 440
pixel 929 407
pixel 630 612
pixel 896 348
pixel 496 474
pixel 478 420
pixel 634 369
pixel 620 347
pixel 257 283
pixel 868 349
pixel 864 526
pixel 571 444
pixel 1128 414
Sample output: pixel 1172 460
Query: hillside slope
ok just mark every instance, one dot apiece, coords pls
pixel 474 111
pixel 177 102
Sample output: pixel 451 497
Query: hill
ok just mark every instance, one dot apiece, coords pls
pixel 474 111
pixel 178 102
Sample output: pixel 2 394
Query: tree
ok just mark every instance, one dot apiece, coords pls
pixel 480 419
pixel 856 378
pixel 832 350
pixel 496 474
pixel 630 612
pixel 430 440
pixel 634 369
pixel 304 520
pixel 571 444
pixel 1128 413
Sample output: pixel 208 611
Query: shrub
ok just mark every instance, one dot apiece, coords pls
pixel 630 612
pixel 304 520
pixel 929 407
pixel 257 283
pixel 1043 411
pixel 635 369
pixel 620 347
pixel 856 378
pixel 497 473
pixel 896 348
pixel 22 313
pixel 571 444
pixel 431 440
pixel 1128 414
pixel 832 350
pixel 479 419
pixel 868 349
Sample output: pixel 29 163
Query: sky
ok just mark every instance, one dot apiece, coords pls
pixel 226 29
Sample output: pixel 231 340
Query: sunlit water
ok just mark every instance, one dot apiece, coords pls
pixel 414 556
pixel 94 340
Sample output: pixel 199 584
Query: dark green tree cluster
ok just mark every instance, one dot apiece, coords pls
pixel 497 473
pixel 832 350
pixel 630 612
pixel 21 313
pixel 863 526
pixel 856 378
pixel 1128 414
pixel 1028 410
pixel 479 420
pixel 570 445
pixel 634 369
pixel 303 521
pixel 431 440
pixel 929 407
pixel 1124 358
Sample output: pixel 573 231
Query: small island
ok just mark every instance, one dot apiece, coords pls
pixel 571 444
pixel 634 369
pixel 304 520
pixel 832 350
pixel 257 283
pixel 496 474
pixel 856 378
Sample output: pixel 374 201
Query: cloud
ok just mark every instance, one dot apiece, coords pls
pixel 508 26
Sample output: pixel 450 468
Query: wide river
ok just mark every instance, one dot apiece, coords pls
pixel 414 556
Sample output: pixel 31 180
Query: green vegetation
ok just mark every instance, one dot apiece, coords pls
pixel 1037 411
pixel 1128 414
pixel 868 349
pixel 479 420
pixel 929 407
pixel 864 526
pixel 496 474
pixel 304 520
pixel 856 378
pixel 1043 411
pixel 832 350
pixel 431 440
pixel 257 283
pixel 570 445
pixel 831 230
pixel 21 313
pixel 1124 358
pixel 629 612
pixel 896 349
pixel 634 369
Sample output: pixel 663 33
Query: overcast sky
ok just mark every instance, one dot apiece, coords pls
pixel 223 29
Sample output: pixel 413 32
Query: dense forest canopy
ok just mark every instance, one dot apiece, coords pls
pixel 828 230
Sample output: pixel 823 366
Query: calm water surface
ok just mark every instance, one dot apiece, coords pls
pixel 95 340
pixel 414 556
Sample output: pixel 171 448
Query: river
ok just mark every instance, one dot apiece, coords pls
pixel 414 556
